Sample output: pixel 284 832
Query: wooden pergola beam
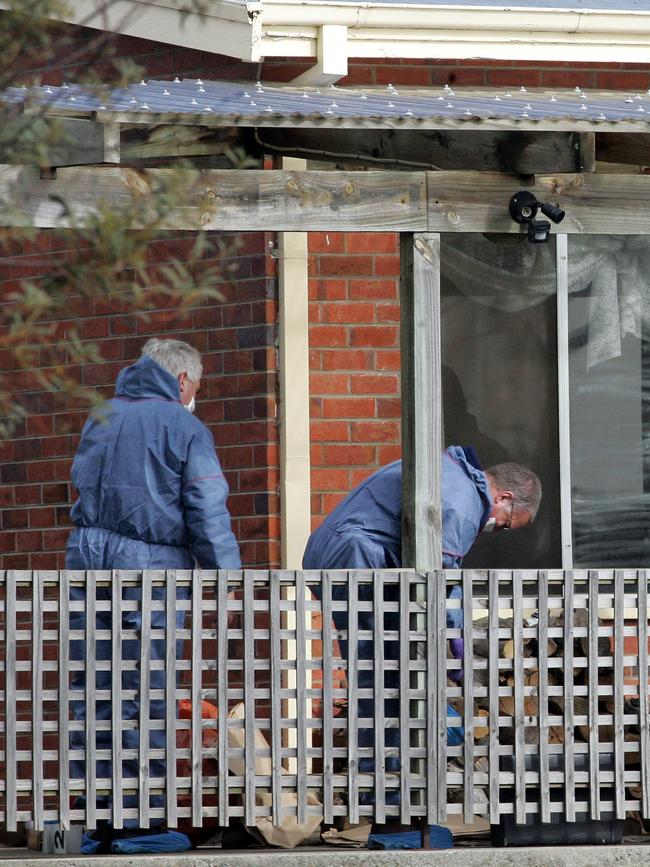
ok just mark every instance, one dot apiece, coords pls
pixel 236 200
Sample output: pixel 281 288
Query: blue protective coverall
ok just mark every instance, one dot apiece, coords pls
pixel 365 532
pixel 151 496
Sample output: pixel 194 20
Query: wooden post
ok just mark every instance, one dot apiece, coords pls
pixel 421 402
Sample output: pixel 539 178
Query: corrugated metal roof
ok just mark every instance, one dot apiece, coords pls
pixel 226 103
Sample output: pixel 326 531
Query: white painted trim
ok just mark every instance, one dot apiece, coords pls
pixel 295 467
pixel 564 415
pixel 332 57
pixel 230 28
pixel 252 30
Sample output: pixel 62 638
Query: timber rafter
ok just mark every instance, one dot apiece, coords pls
pixel 232 200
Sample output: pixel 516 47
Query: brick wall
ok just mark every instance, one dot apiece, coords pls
pixel 354 361
pixel 237 400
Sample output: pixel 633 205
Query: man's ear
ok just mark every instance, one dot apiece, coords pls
pixel 508 496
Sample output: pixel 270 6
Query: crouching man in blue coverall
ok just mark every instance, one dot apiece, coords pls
pixel 151 496
pixel 365 532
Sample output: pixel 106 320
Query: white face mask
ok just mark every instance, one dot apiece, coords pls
pixel 191 406
pixel 489 525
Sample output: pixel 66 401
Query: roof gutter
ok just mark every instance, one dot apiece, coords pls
pixel 424 31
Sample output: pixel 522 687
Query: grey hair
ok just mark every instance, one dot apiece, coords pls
pixel 525 486
pixel 175 357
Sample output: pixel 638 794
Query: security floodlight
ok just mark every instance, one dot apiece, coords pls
pixel 523 210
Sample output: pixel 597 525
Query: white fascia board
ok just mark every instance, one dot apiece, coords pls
pixel 227 27
pixel 403 30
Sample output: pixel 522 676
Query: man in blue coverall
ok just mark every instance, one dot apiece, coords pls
pixel 151 496
pixel 365 532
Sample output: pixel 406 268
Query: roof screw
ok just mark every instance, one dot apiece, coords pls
pixel 201 89
pixel 268 108
pixel 207 108
pixel 177 80
pixel 65 86
pixel 577 89
pixel 497 98
pixel 583 107
pixel 253 103
pixel 524 114
pixel 48 90
pixel 199 82
pixel 508 95
pixel 450 105
pixel 333 105
pixel 553 99
pixel 467 111
pixel 143 83
pixel 391 105
pixel 247 95
pixel 305 96
pixel 528 107
pixel 522 89
pixel 409 113
pixel 166 92
pixel 194 102
pixel 602 117
pixel 363 96
pixel 145 106
pixel 641 108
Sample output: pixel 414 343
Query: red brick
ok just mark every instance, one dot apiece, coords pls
pixel 331 501
pixel 375 431
pixel 387 266
pixel 370 383
pixel 360 475
pixel 91 329
pixel 513 78
pixel 329 383
pixel 314 312
pixel 348 407
pixel 345 359
pixel 461 77
pixel 57 493
pixel 7 542
pixel 338 266
pixel 54 540
pixel 26 494
pixel 348 313
pixel 372 242
pixel 328 335
pixel 14 519
pixel 15 561
pixel 405 76
pixel 326 242
pixel 351 455
pixel 316 457
pixel 329 480
pixel 622 80
pixel 329 289
pixel 41 471
pixel 40 518
pixel 389 407
pixel 375 289
pixel 388 359
pixel 374 335
pixel 330 431
pixel 389 453
pixel 28 541
pixel 6 495
pixel 387 312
